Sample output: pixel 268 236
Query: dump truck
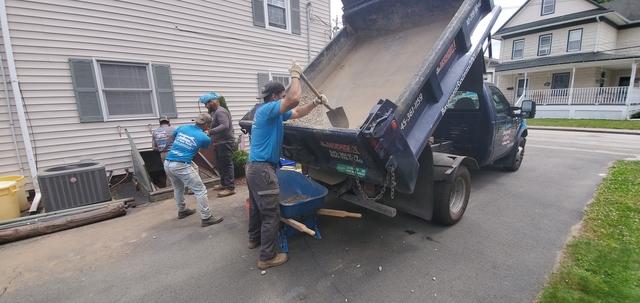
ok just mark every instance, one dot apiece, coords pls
pixel 409 75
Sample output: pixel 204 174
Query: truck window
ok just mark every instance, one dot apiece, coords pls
pixel 501 103
pixel 464 100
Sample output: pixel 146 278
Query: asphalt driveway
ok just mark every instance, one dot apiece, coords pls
pixel 501 251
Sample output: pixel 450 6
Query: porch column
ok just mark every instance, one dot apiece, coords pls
pixel 573 81
pixel 526 85
pixel 632 81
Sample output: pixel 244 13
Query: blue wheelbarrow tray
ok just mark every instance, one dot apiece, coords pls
pixel 294 184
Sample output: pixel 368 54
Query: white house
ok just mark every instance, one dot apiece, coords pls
pixel 88 69
pixel 575 58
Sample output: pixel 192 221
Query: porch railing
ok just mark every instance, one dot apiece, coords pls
pixel 579 96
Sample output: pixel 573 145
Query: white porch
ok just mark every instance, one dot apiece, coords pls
pixel 595 90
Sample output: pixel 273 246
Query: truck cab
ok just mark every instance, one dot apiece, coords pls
pixel 481 124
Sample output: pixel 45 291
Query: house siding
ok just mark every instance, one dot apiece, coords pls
pixel 607 38
pixel 531 12
pixel 210 45
pixel 628 38
pixel 558 45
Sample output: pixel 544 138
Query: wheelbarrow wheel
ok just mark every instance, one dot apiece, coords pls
pixel 451 197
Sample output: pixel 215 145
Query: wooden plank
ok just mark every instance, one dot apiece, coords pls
pixel 67 222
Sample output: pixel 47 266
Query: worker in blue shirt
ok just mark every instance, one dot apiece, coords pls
pixel 264 158
pixel 179 166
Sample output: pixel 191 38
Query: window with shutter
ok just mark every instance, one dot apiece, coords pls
pixel 107 90
pixel 280 15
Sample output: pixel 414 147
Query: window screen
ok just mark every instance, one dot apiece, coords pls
pixel 282 78
pixel 575 40
pixel 126 89
pixel 518 49
pixel 544 45
pixel 277 13
pixel 548 7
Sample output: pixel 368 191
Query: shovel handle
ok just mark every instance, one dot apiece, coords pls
pixel 314 90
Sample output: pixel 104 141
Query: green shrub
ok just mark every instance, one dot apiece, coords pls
pixel 240 158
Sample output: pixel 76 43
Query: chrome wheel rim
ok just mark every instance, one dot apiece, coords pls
pixel 456 201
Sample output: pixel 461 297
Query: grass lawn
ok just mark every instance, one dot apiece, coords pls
pixel 602 264
pixel 588 123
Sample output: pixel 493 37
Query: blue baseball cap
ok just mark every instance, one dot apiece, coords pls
pixel 204 99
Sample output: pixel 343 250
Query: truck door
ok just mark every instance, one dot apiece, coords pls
pixel 505 126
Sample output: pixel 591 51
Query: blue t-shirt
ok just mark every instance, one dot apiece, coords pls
pixel 267 133
pixel 188 139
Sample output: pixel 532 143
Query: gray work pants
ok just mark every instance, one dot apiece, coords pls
pixel 264 218
pixel 183 175
pixel 224 164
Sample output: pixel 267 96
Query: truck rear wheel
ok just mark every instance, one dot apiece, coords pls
pixel 451 197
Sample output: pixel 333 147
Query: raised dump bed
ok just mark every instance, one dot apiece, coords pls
pixel 393 68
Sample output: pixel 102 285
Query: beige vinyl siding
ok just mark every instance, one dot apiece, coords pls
pixel 210 45
pixel 531 12
pixel 607 37
pixel 628 38
pixel 558 45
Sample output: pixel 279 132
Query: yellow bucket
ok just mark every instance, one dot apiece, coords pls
pixel 9 207
pixel 21 193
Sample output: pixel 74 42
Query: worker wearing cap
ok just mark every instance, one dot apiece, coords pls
pixel 222 133
pixel 163 137
pixel 180 170
pixel 264 158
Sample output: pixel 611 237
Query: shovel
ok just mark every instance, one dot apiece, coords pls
pixel 337 116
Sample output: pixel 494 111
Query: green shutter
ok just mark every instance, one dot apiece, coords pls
pixel 164 90
pixel 295 17
pixel 258 12
pixel 86 90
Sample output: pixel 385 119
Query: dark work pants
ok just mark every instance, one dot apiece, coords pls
pixel 264 218
pixel 224 164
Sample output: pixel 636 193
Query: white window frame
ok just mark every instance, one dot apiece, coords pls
pixel 540 44
pixel 279 74
pixel 548 3
pixel 569 40
pixel 513 49
pixel 287 10
pixel 103 100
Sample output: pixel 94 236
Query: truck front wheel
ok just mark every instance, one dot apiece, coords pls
pixel 517 155
pixel 451 197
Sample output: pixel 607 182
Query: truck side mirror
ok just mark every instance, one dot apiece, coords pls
pixel 528 109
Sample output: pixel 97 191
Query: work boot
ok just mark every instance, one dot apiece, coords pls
pixel 253 244
pixel 278 260
pixel 226 193
pixel 211 221
pixel 218 187
pixel 185 213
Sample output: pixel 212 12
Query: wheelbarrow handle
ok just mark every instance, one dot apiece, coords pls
pixel 298 226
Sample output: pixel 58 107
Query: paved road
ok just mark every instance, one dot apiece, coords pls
pixel 501 251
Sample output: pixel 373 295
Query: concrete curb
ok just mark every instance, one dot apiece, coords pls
pixel 587 130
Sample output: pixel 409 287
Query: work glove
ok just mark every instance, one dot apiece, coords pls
pixel 321 100
pixel 295 70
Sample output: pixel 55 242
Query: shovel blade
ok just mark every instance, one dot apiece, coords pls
pixel 338 117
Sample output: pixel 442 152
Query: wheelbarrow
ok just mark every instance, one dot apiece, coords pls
pixel 301 200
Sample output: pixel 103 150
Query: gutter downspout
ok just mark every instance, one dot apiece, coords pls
pixel 12 125
pixel 308 10
pixel 17 97
pixel 595 46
